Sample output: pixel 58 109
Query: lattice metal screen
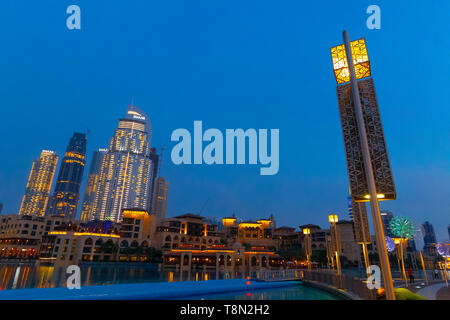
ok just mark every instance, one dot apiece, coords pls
pixel 360 61
pixel 380 161
pixel 360 222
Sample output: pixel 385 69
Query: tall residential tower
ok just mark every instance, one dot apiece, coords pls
pixel 429 237
pixel 126 174
pixel 64 201
pixel 92 184
pixel 39 183
pixel 160 195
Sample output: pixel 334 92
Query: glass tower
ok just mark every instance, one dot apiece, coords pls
pixel 92 184
pixel 160 198
pixel 64 201
pixel 126 174
pixel 39 183
pixel 429 236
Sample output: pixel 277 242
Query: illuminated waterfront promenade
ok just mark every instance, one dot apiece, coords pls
pixel 139 291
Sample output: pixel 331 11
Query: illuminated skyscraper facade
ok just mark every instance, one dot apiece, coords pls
pixel 429 237
pixel 64 201
pixel 92 184
pixel 126 173
pixel 350 208
pixel 161 195
pixel 155 163
pixel 386 218
pixel 34 201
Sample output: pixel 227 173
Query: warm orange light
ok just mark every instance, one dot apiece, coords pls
pixel 135 214
pixel 259 252
pixel 360 60
pixel 333 218
pixel 379 196
pixel 399 240
pixel 227 222
pixel 200 251
pixel 96 234
pixel 249 225
pixel 306 231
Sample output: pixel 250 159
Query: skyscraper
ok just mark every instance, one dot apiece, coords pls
pixel 350 208
pixel 64 201
pixel 429 237
pixel 386 218
pixel 126 174
pixel 160 198
pixel 155 162
pixel 92 184
pixel 39 183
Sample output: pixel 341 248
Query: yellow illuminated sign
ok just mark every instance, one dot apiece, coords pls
pixel 360 60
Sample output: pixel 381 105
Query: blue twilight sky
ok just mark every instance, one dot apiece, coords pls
pixel 231 64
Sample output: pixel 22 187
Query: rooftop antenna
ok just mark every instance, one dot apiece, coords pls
pixel 160 161
pixel 88 130
pixel 204 205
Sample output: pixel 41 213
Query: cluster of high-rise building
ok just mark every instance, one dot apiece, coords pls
pixel 123 213
pixel 124 176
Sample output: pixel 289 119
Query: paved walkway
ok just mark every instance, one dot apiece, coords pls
pixel 431 292
pixel 443 293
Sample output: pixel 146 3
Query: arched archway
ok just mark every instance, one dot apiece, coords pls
pixel 264 261
pixel 253 261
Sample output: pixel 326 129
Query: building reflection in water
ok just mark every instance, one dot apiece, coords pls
pixel 23 275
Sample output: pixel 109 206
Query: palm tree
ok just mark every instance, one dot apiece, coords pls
pixel 404 228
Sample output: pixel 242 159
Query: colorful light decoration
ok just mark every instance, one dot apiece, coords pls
pixel 402 227
pixel 443 249
pixel 390 244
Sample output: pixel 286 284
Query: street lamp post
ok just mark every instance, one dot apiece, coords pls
pixel 306 233
pixel 423 268
pixel 333 218
pixel 399 243
pixel 375 209
pixel 329 253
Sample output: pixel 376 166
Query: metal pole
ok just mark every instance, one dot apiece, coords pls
pixel 423 267
pixel 366 257
pixel 338 248
pixel 403 262
pixel 309 251
pixel 445 268
pixel 375 209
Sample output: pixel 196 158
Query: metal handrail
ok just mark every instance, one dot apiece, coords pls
pixel 346 283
